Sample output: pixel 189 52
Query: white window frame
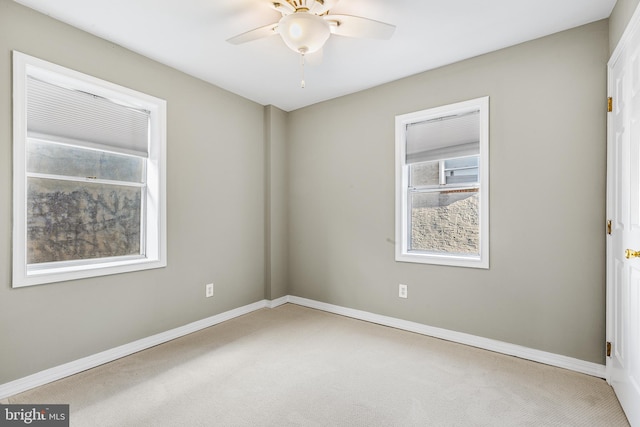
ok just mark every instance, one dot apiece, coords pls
pixel 154 232
pixel 403 254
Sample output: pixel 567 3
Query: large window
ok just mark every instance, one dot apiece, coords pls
pixel 89 176
pixel 442 185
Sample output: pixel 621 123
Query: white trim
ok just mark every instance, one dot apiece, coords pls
pixel 539 356
pixel 278 302
pixel 71 368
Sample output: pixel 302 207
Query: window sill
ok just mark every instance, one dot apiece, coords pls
pixel 446 260
pixel 53 272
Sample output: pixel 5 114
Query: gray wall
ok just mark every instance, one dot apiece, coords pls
pixel 215 210
pixel 277 216
pixel 546 285
pixel 620 17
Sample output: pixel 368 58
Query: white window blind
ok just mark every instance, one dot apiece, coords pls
pixel 443 138
pixel 64 114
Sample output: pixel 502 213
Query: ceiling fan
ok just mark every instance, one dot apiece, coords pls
pixel 306 25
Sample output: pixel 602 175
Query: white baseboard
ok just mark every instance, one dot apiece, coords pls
pixel 278 302
pixel 539 356
pixel 71 368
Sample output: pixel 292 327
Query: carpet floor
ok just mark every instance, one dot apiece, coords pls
pixel 295 366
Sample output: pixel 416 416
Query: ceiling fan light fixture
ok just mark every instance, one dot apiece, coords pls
pixel 304 32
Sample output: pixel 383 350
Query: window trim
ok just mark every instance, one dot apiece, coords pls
pixel 402 254
pixel 156 226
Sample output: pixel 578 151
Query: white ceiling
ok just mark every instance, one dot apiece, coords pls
pixel 191 35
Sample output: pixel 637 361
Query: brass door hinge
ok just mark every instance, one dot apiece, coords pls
pixel 610 104
pixel 608 349
pixel 609 227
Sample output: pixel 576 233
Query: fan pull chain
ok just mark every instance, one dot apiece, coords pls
pixel 302 84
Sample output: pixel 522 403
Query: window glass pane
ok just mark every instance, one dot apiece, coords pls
pixel 461 170
pixel 461 162
pixel 66 160
pixel 77 220
pixel 425 173
pixel 445 222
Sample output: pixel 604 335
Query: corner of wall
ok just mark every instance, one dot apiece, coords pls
pixel 276 203
pixel 619 19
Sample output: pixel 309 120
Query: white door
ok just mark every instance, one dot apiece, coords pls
pixel 623 210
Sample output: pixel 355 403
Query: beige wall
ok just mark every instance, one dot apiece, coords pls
pixel 215 191
pixel 546 285
pixel 277 217
pixel 620 17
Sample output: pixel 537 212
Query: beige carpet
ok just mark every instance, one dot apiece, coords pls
pixel 294 366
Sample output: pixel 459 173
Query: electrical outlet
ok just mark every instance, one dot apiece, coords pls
pixel 402 291
pixel 209 290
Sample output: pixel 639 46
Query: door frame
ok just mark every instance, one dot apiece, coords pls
pixel 623 46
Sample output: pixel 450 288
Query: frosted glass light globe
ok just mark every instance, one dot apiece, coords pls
pixel 304 32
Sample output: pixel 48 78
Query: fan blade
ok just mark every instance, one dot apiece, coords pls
pixel 322 6
pixel 255 34
pixel 357 26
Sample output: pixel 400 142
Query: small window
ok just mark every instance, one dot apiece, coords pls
pixel 442 185
pixel 89 180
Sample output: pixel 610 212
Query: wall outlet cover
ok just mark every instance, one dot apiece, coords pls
pixel 402 291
